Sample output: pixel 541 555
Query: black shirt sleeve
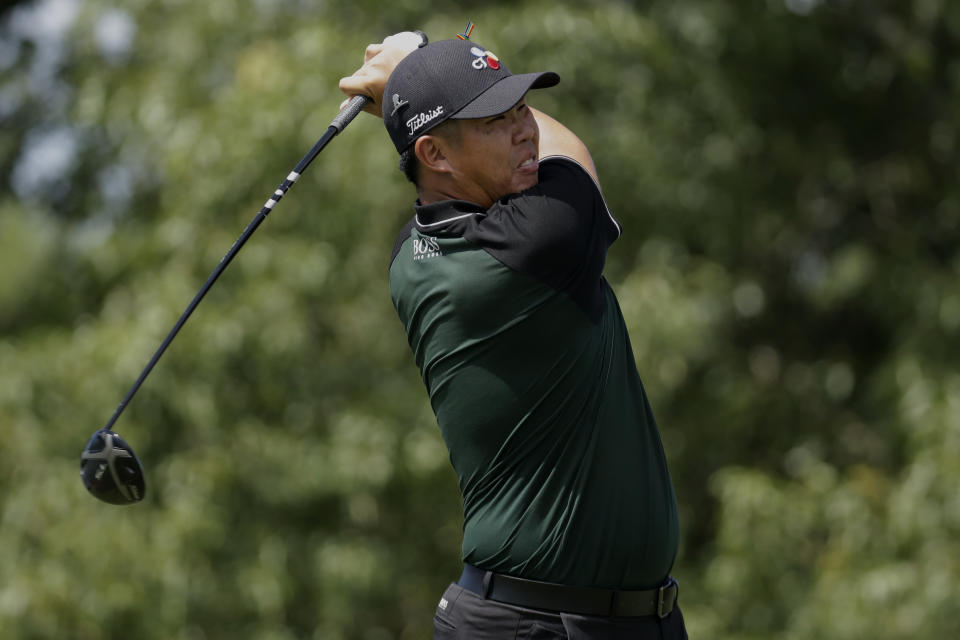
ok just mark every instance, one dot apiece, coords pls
pixel 558 231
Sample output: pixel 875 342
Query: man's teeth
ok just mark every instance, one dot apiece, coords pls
pixel 526 162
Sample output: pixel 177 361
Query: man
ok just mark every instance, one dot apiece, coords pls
pixel 570 519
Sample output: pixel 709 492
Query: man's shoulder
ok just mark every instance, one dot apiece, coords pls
pixel 561 179
pixel 564 186
pixel 564 166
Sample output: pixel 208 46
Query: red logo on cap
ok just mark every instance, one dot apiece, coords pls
pixel 484 59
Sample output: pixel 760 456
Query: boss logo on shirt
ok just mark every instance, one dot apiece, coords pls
pixel 425 247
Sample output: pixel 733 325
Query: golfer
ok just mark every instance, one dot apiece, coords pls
pixel 570 518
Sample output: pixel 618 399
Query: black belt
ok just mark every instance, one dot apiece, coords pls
pixel 580 600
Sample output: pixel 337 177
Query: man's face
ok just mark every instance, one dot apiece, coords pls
pixel 496 156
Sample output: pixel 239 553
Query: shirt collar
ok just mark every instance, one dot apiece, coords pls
pixel 438 215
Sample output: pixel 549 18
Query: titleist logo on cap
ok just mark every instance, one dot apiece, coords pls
pixel 421 119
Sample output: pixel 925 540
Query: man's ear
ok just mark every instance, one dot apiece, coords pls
pixel 431 152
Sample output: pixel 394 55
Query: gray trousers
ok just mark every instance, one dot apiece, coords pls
pixel 464 615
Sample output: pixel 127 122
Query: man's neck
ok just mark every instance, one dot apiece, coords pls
pixel 431 192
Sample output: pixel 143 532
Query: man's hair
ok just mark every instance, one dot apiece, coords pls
pixel 409 165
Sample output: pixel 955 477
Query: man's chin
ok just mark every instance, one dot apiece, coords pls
pixel 528 182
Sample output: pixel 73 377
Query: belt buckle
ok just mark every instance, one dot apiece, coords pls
pixel 660 598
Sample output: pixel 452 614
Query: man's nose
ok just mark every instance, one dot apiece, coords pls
pixel 525 127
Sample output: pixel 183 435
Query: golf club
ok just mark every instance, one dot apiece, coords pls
pixel 109 468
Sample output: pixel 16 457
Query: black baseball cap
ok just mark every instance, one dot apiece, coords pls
pixel 451 79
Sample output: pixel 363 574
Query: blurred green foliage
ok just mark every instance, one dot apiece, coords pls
pixel 785 170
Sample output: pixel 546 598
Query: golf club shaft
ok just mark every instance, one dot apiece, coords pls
pixel 346 115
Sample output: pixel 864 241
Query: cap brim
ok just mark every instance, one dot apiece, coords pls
pixel 503 95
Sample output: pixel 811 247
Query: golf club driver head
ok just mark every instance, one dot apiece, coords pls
pixel 110 470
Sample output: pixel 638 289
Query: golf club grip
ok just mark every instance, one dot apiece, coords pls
pixel 349 112
pixel 357 103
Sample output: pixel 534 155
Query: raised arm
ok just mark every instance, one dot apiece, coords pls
pixel 557 140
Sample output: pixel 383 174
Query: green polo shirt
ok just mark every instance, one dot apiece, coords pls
pixel 524 353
